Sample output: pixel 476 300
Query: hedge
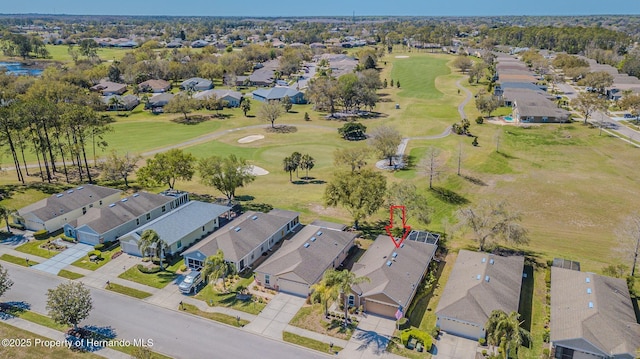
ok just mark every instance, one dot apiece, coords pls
pixel 68 239
pixel 41 234
pixel 16 225
pixel 152 270
pixel 403 323
pixel 420 335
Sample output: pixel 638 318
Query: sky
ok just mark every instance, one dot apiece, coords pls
pixel 275 8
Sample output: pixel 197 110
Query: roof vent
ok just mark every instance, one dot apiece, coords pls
pixel 80 187
pixel 112 205
pixel 70 191
pixel 254 217
pixel 484 260
pixel 60 195
pixel 486 279
pixel 306 245
pixel 588 290
pixel 590 304
pixel 491 261
pixel 402 245
pixel 136 194
pixel 478 277
pixel 313 239
pixel 588 280
pixel 237 229
pixel 319 233
pixel 394 254
pixel 389 263
pixel 124 200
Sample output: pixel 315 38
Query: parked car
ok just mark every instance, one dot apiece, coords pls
pixel 628 115
pixel 191 283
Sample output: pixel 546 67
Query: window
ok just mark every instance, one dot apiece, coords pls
pixel 251 256
pixel 352 300
pixel 179 244
pixel 164 208
pixel 84 210
pixel 101 202
pixel 137 221
pixel 203 228
pixel 148 216
pixel 266 279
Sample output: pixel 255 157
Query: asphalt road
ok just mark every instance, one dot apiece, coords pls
pixel 176 334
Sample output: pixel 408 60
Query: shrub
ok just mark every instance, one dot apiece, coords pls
pixel 482 341
pixel 420 335
pixel 435 332
pixel 546 336
pixel 403 323
pixel 99 247
pixel 475 141
pixel 41 234
pixel 16 225
pixel 484 352
pixel 479 120
pixel 148 270
pixel 68 239
pixel 183 268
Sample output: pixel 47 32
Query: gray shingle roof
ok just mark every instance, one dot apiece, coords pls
pixel 397 281
pixel 178 223
pixel 293 260
pixel 219 94
pixel 276 93
pixel 104 219
pixel 609 327
pixel 470 297
pixel 64 202
pixel 255 228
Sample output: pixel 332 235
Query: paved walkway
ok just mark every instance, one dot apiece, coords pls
pixel 111 271
pixel 73 252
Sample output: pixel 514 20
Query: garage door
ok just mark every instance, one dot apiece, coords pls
pixel 130 248
pixel 380 309
pixel 461 329
pixel 295 288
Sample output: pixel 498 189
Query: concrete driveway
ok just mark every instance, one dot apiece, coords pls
pixel 452 347
pixel 68 256
pixel 275 317
pixel 370 339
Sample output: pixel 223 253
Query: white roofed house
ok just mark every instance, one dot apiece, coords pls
pixel 233 98
pixel 53 212
pixel 107 224
pixel 179 228
pixel 244 239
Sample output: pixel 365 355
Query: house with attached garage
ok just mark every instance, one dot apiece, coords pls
pixel 592 316
pixel 245 239
pixel 479 284
pixel 303 259
pixel 107 88
pixel 394 273
pixel 155 86
pixel 107 224
pixel 53 212
pixel 196 84
pixel 233 98
pixel 179 228
pixel 278 94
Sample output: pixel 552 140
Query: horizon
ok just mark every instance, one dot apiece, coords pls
pixel 329 8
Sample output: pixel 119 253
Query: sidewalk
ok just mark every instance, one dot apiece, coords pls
pixel 111 271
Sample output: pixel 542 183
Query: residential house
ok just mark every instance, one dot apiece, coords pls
pixel 196 84
pixel 394 273
pixel 278 93
pixel 303 259
pixel 108 88
pixel 107 224
pixel 592 316
pixel 124 103
pixel 199 44
pixel 244 239
pixel 157 102
pixel 536 108
pixel 233 98
pixel 179 228
pixel 155 86
pixel 479 284
pixel 53 212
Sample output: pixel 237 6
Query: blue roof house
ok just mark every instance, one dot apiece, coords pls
pixel 278 93
pixel 179 228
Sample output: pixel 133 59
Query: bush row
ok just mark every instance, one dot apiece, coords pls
pixel 41 234
pixel 68 239
pixel 104 246
pixel 148 270
pixel 16 225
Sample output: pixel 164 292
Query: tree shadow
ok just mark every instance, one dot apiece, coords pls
pixel 282 129
pixel 372 230
pixel 448 196
pixel 10 310
pixel 373 341
pixel 507 156
pixel 191 120
pixel 475 180
pixel 526 297
pixel 245 198
pixel 90 338
pixel 250 116
pixel 12 239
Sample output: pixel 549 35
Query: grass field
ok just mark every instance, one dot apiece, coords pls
pixel 215 298
pixel 310 343
pixel 218 317
pixel 69 274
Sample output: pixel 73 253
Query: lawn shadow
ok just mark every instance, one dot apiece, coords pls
pixel 191 120
pixel 90 338
pixel 474 180
pixel 12 239
pixel 10 310
pixel 245 198
pixel 448 196
pixel 257 207
pixel 282 129
pixel 416 311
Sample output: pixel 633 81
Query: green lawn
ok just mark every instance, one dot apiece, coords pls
pixel 415 82
pixel 157 280
pixel 34 247
pixel 132 292
pixel 218 317
pixel 86 263
pixel 310 343
pixel 17 260
pixel 311 317
pixel 214 298
pixel 69 274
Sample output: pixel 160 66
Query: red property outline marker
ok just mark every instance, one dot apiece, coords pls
pixel 405 227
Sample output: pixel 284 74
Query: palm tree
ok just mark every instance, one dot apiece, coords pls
pixel 325 293
pixel 4 214
pixel 504 330
pixel 289 166
pixel 115 103
pixel 215 267
pixel 307 162
pixel 150 240
pixel 341 282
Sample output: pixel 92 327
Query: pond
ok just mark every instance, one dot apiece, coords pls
pixel 17 68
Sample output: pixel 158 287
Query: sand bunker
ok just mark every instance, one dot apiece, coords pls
pixel 402 57
pixel 250 138
pixel 258 171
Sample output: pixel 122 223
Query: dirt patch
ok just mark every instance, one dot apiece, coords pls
pixel 402 57
pixel 252 138
pixel 258 171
